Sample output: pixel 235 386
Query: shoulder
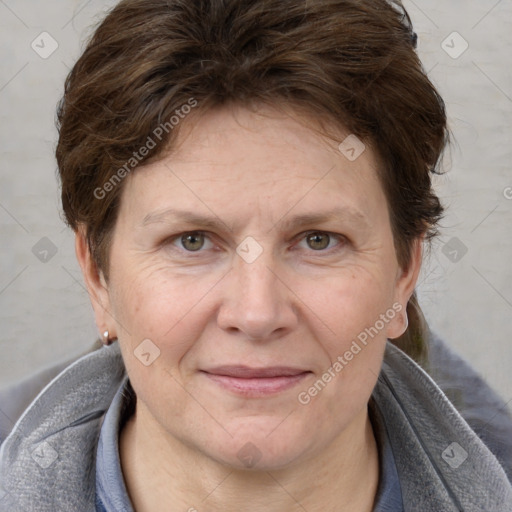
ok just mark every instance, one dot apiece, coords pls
pixel 59 432
pixel 482 408
pixel 17 396
pixel 433 444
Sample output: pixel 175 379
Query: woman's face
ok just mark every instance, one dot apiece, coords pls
pixel 253 283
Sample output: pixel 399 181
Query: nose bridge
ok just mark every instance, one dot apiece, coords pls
pixel 256 278
pixel 258 288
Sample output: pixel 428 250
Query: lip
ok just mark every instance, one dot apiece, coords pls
pixel 247 372
pixel 255 382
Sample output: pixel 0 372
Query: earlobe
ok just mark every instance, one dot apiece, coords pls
pixel 404 288
pixel 95 283
pixel 399 324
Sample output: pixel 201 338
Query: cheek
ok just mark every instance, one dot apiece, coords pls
pixel 171 314
pixel 357 309
pixel 355 302
pixel 167 309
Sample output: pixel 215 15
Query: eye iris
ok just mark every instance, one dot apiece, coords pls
pixel 318 241
pixel 193 241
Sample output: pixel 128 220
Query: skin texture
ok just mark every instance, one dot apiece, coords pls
pixel 293 306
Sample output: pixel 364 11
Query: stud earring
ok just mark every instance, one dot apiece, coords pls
pixel 106 339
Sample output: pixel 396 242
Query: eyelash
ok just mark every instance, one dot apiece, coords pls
pixel 342 241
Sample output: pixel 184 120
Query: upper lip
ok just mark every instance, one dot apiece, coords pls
pixel 246 372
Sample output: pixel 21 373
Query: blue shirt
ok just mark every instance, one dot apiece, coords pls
pixel 111 493
pixel 389 494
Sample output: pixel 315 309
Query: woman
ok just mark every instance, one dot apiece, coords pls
pixel 249 184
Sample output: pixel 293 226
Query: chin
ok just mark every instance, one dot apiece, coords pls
pixel 260 446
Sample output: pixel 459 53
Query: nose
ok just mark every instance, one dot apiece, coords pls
pixel 256 301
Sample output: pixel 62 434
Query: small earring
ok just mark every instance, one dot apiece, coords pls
pixel 106 340
pixel 406 321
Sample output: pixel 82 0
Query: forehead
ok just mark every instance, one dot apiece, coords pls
pixel 265 160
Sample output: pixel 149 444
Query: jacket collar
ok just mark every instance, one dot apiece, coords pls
pixel 47 463
pixel 441 462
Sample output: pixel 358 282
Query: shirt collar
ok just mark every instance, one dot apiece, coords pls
pixel 389 493
pixel 111 492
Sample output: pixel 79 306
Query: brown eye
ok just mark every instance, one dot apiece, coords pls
pixel 192 241
pixel 318 241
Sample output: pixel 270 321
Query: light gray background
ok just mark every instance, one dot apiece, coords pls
pixel 44 309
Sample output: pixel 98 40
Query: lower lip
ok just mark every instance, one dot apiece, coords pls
pixel 257 386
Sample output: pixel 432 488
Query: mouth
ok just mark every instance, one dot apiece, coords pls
pixel 254 382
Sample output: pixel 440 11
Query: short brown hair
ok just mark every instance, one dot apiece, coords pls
pixel 348 61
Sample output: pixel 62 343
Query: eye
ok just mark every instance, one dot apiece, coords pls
pixel 192 242
pixel 320 240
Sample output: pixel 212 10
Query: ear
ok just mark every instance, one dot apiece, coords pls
pixel 404 288
pixel 95 283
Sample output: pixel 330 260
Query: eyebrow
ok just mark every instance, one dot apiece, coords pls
pixel 350 215
pixel 189 217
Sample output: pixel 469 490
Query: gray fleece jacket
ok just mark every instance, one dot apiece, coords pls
pixel 47 459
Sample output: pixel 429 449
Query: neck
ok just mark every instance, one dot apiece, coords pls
pixel 161 473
